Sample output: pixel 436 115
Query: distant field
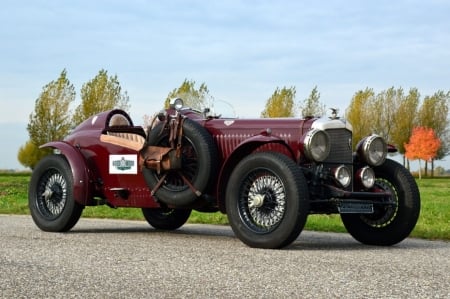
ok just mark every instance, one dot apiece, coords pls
pixel 434 221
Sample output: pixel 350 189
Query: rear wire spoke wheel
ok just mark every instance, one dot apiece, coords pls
pixel 53 190
pixel 166 218
pixel 50 195
pixel 267 200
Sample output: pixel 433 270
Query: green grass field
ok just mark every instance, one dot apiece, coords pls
pixel 434 221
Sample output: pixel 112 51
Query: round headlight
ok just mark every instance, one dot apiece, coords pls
pixel 316 145
pixel 342 175
pixel 366 175
pixel 373 150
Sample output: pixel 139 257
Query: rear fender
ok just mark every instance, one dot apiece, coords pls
pixel 244 149
pixel 82 190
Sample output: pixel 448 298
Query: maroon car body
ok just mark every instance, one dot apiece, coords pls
pixel 267 175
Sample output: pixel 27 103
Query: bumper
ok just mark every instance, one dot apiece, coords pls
pixel 348 202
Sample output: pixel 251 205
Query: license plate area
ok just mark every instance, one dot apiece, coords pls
pixel 355 208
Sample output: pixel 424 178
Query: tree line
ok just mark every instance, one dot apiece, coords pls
pixel 52 118
pixel 402 118
pixel 392 113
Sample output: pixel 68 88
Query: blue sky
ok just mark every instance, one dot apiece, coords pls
pixel 242 50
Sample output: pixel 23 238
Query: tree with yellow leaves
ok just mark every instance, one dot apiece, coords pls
pixel 49 121
pixel 280 104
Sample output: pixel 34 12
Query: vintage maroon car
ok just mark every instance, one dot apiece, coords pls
pixel 267 175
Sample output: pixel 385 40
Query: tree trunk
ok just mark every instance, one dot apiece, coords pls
pixel 432 168
pixel 426 169
pixel 420 171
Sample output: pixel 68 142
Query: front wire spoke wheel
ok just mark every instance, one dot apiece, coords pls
pixel 263 201
pixel 267 200
pixel 383 214
pixel 392 223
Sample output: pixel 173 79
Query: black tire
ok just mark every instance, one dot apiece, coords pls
pixel 166 218
pixel 199 164
pixel 50 195
pixel 389 225
pixel 277 213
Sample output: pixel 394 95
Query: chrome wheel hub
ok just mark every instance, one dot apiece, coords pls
pixel 255 200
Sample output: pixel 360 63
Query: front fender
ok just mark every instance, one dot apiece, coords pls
pixel 82 191
pixel 245 148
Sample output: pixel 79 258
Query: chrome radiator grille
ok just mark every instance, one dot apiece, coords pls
pixel 341 146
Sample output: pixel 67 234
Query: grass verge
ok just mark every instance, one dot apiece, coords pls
pixel 434 221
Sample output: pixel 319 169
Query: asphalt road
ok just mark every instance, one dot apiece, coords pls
pixel 129 259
